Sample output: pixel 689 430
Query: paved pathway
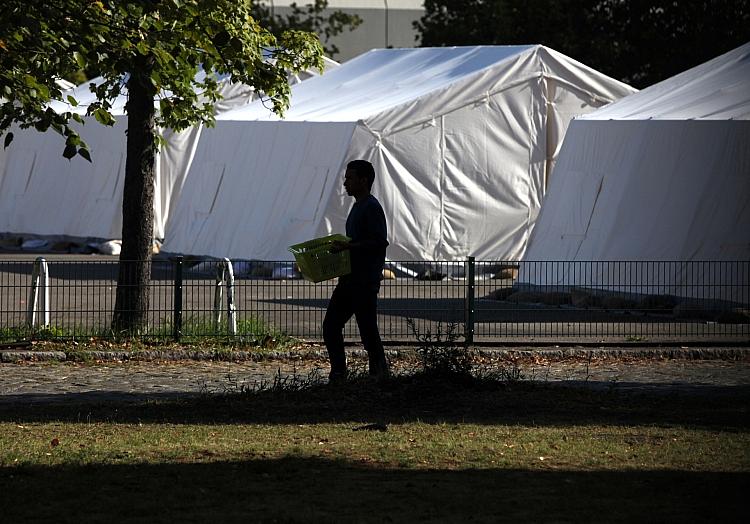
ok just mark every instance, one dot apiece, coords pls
pixel 52 382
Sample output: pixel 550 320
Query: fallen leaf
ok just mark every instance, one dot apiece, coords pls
pixel 55 442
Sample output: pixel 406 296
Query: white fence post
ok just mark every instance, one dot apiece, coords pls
pixel 231 316
pixel 38 306
pixel 218 292
pixel 225 277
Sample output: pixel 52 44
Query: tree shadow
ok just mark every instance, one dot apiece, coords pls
pixel 408 399
pixel 309 489
pixel 454 310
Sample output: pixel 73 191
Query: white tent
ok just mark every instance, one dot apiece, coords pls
pixel 42 193
pixel 462 140
pixel 662 175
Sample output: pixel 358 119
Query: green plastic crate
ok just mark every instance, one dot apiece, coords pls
pixel 315 261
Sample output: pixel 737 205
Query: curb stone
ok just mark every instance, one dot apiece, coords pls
pixel 674 353
pixel 10 356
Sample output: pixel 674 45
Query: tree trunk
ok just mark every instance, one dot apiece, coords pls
pixel 133 282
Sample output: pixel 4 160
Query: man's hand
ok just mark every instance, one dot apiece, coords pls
pixel 337 246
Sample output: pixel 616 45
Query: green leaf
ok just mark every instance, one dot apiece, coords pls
pixel 80 60
pixel 70 151
pixel 85 153
pixel 8 139
pixel 221 39
pixel 43 90
pixel 72 101
pixel 142 47
pixel 104 117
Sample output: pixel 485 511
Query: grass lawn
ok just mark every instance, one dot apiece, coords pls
pixel 412 449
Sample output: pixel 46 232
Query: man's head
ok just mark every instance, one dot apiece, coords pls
pixel 359 178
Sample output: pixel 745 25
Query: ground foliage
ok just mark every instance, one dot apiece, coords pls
pixel 639 42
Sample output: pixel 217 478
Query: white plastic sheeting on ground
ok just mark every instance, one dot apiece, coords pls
pixel 462 140
pixel 42 193
pixel 661 175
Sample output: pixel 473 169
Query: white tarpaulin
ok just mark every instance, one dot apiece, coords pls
pixel 462 140
pixel 661 175
pixel 42 193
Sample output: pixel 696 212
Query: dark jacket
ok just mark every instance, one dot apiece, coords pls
pixel 366 226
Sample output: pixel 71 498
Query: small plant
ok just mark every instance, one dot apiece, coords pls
pixel 439 353
pixel 293 382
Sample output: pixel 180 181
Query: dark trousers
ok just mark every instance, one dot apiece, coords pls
pixel 348 300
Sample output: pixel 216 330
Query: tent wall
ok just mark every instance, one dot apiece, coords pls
pixel 42 193
pixel 256 188
pixel 649 190
pixel 667 190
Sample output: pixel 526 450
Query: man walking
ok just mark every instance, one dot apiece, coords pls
pixel 357 293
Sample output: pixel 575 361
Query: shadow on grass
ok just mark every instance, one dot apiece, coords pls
pixel 299 489
pixel 406 399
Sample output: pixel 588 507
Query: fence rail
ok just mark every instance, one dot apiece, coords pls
pixel 489 301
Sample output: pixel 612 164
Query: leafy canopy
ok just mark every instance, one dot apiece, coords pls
pixel 167 41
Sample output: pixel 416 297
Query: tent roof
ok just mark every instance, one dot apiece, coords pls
pixel 383 80
pixel 715 90
pixel 356 89
pixel 230 91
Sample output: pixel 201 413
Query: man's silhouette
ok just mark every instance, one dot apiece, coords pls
pixel 357 293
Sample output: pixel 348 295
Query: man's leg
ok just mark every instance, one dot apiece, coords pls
pixel 337 315
pixel 366 310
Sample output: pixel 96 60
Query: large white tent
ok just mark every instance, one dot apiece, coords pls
pixel 662 175
pixel 42 193
pixel 462 140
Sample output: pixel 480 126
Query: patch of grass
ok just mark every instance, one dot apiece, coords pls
pixel 438 451
pixel 197 332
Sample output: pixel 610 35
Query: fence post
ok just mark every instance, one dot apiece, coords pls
pixel 177 314
pixel 470 281
pixel 40 272
pixel 218 292
pixel 225 277
pixel 231 317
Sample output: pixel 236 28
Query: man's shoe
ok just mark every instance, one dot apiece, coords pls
pixel 380 371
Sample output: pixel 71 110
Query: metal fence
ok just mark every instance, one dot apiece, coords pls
pixel 488 301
